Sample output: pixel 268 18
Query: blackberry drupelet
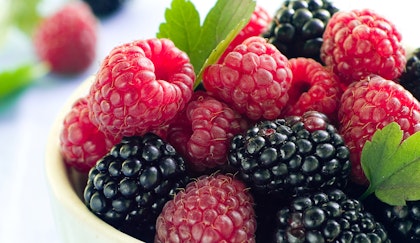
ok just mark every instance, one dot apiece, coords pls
pixel 298 25
pixel 328 216
pixel 285 157
pixel 410 78
pixel 401 222
pixel 129 186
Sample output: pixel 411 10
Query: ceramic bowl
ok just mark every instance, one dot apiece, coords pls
pixel 74 222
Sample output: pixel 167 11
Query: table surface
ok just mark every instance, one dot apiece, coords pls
pixel 26 119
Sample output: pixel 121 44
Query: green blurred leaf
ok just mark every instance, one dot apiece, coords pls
pixel 25 14
pixel 22 14
pixel 13 80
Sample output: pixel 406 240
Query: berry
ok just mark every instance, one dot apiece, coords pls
pixel 104 8
pixel 290 156
pixel 402 222
pixel 253 79
pixel 202 133
pixel 140 86
pixel 358 43
pixel 298 25
pixel 371 104
pixel 327 217
pixel 81 142
pixel 216 208
pixel 314 87
pixel 129 186
pixel 67 40
pixel 260 18
pixel 410 78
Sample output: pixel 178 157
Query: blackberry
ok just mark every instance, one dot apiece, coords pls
pixel 285 157
pixel 297 27
pixel 410 78
pixel 328 216
pixel 402 222
pixel 129 186
pixel 104 8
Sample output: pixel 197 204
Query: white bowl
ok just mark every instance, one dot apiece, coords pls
pixel 75 223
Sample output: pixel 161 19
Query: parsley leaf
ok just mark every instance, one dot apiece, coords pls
pixel 392 165
pixel 205 43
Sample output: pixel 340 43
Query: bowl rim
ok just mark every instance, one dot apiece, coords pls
pixel 59 182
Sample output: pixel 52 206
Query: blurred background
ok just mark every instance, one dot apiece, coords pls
pixel 28 111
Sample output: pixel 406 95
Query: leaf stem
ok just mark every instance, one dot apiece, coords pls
pixel 368 192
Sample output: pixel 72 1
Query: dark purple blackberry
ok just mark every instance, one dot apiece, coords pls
pixel 328 216
pixel 401 222
pixel 129 186
pixel 104 8
pixel 297 27
pixel 289 156
pixel 410 78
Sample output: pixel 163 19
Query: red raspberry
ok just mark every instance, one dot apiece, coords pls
pixel 314 87
pixel 67 39
pixel 81 142
pixel 361 42
pixel 260 19
pixel 253 79
pixel 371 104
pixel 214 208
pixel 203 131
pixel 140 86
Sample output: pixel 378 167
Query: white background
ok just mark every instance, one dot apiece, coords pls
pixel 25 214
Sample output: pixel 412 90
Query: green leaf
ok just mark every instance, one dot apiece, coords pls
pixel 22 14
pixel 392 165
pixel 25 14
pixel 13 80
pixel 182 25
pixel 205 43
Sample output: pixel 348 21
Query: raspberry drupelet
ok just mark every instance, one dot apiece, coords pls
pixel 67 39
pixel 314 87
pixel 369 105
pixel 215 208
pixel 253 79
pixel 258 23
pixel 358 43
pixel 81 142
pixel 140 86
pixel 202 132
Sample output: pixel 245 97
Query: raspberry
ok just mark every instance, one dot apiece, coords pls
pixel 358 43
pixel 371 104
pixel 410 78
pixel 81 143
pixel 314 87
pixel 298 26
pixel 216 208
pixel 294 155
pixel 104 8
pixel 129 186
pixel 258 23
pixel 327 217
pixel 140 86
pixel 253 79
pixel 203 131
pixel 67 40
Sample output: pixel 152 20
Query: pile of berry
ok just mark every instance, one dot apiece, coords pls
pixel 266 150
